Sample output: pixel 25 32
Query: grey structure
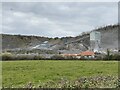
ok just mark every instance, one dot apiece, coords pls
pixel 95 41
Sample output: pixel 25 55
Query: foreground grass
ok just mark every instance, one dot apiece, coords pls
pixel 20 73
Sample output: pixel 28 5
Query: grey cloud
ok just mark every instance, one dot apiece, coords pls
pixel 56 19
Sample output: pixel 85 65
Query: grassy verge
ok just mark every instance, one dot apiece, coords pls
pixel 40 73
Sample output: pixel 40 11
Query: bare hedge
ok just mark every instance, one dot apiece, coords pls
pixel 9 56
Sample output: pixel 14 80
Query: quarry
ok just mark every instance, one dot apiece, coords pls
pixel 99 41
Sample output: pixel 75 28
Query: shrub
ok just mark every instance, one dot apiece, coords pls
pixel 6 56
pixel 115 57
pixel 57 57
pixel 9 56
pixel 70 58
pixel 112 57
pixel 38 57
pixel 23 57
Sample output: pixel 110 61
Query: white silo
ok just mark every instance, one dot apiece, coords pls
pixel 95 41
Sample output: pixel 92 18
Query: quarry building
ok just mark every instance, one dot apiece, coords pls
pixel 95 41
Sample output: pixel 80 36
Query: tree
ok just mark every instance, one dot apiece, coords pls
pixel 56 38
pixel 108 54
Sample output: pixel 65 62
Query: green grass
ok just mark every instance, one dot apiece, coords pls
pixel 16 73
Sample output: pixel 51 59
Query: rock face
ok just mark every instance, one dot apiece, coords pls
pixel 109 39
pixel 18 41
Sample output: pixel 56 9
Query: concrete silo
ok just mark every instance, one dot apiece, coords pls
pixel 95 41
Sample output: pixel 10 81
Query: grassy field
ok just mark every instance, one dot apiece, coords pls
pixel 19 73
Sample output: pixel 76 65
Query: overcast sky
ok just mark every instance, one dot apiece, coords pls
pixel 56 19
